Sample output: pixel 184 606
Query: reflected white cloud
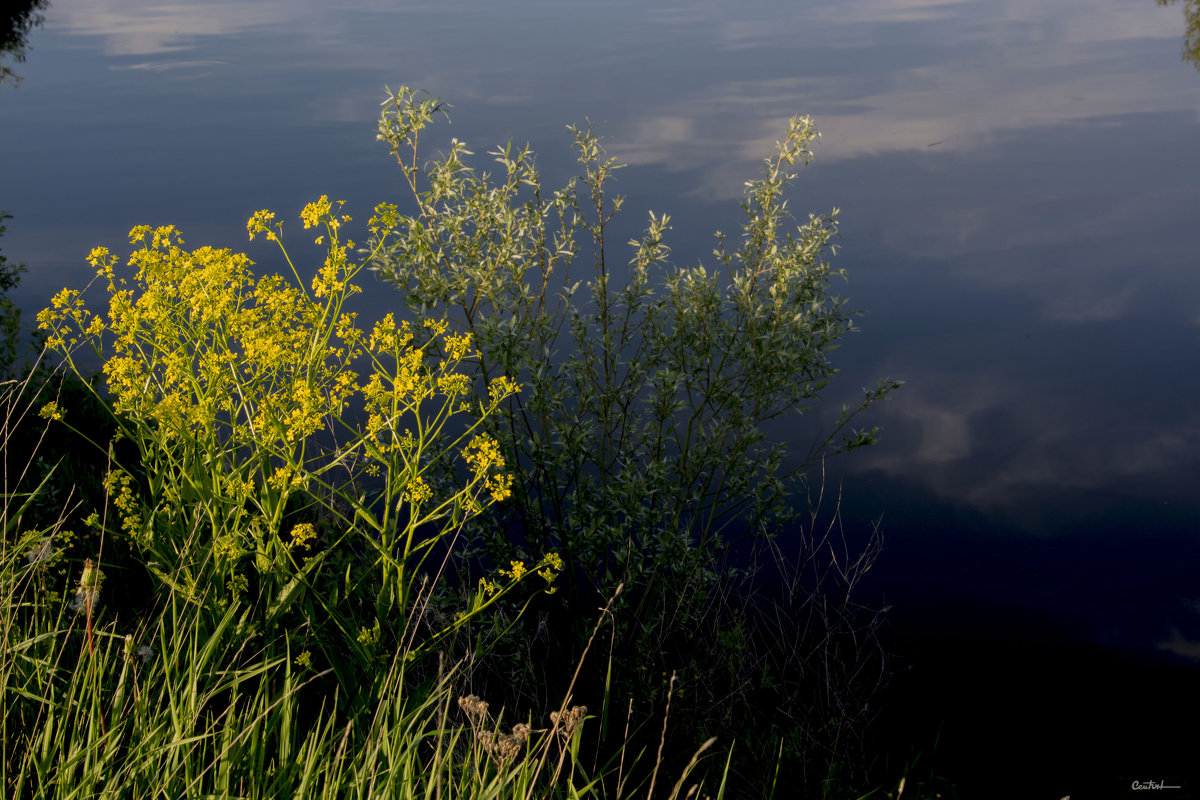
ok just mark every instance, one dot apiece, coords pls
pixel 134 28
pixel 170 66
pixel 891 10
pixel 761 25
pixel 950 112
pixel 979 439
pixel 970 71
pixel 1180 645
pixel 875 81
pixel 1072 21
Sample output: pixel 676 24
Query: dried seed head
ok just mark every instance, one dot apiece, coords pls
pixel 509 747
pixel 474 708
pixel 505 746
pixel 568 721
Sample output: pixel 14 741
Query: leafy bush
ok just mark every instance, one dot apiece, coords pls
pixel 640 427
pixel 640 431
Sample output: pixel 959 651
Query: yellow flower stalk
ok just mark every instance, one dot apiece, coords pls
pixel 250 394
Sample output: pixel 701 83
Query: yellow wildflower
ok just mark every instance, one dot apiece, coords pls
pixel 516 570
pixel 313 213
pixel 303 536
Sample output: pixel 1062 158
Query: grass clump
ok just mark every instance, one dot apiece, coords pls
pixel 188 706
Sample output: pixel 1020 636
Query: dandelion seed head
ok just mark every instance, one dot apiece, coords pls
pixel 40 552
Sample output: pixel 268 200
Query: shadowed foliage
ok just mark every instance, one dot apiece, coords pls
pixel 16 21
pixel 1191 37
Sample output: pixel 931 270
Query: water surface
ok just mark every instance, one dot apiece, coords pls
pixel 1020 212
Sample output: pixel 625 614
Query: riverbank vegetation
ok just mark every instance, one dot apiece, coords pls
pixel 510 542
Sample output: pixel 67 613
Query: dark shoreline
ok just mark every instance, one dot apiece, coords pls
pixel 1021 709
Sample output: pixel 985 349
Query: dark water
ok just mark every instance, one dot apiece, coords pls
pixel 1021 220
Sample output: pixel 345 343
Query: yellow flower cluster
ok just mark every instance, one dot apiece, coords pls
pixel 264 222
pixel 219 371
pixel 199 344
pixel 400 382
pixel 387 216
pixel 500 388
pixel 314 213
pixel 418 491
pixel 303 536
pixel 458 347
pixel 119 487
pixel 227 551
pixel 553 567
pixel 516 570
pixel 51 411
pixel 369 636
pixel 483 456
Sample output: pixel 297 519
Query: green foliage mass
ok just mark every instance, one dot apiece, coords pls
pixel 297 494
pixel 18 19
pixel 10 315
pixel 647 389
pixel 1191 36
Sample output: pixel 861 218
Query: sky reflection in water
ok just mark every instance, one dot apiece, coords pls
pixel 1017 183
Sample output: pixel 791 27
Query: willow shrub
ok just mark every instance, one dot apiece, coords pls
pixel 285 456
pixel 640 432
